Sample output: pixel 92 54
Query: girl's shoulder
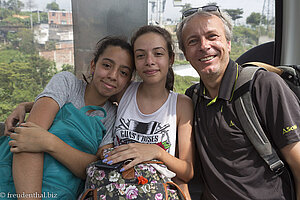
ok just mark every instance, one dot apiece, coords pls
pixel 184 108
pixel 184 102
pixel 184 98
pixel 68 79
pixel 64 87
pixel 65 75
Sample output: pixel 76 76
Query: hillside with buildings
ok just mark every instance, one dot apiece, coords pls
pixel 58 32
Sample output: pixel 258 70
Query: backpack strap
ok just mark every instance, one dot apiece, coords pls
pixel 266 66
pixel 250 123
pixel 195 94
pixel 289 73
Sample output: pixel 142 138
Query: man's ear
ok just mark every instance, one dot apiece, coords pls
pixel 229 46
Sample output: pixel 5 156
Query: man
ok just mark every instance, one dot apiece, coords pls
pixel 230 166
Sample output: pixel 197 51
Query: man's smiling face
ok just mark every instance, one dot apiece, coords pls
pixel 205 44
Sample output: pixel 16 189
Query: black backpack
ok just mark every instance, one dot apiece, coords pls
pixel 247 116
pixel 289 73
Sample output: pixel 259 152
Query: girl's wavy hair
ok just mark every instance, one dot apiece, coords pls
pixel 167 36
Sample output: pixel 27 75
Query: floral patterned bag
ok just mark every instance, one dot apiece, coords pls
pixel 141 182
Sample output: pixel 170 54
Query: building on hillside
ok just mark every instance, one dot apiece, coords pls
pixel 60 17
pixel 59 30
pixel 63 54
pixel 41 33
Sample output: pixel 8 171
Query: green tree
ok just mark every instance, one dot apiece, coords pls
pixel 67 67
pixel 22 78
pixel 14 5
pixel 50 45
pixel 235 13
pixel 52 6
pixel 13 40
pixel 4 13
pixel 22 40
pixel 255 19
pixel 244 38
pixel 12 21
pixel 43 18
pixel 26 43
pixel 11 55
pixel 245 35
pixel 17 85
pixel 43 69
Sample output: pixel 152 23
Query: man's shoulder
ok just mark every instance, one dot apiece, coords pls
pixel 190 91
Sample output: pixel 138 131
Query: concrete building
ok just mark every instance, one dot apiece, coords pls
pixel 59 30
pixel 60 17
pixel 63 54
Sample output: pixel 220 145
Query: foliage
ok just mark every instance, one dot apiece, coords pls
pixel 181 62
pixel 22 40
pixel 9 56
pixel 9 18
pixel 235 13
pixel 243 39
pixel 4 13
pixel 26 43
pixel 67 67
pixel 44 69
pixel 245 35
pixel 14 5
pixel 52 6
pixel 23 73
pixel 13 21
pixel 22 78
pixel 42 18
pixel 50 45
pixel 182 83
pixel 17 85
pixel 256 19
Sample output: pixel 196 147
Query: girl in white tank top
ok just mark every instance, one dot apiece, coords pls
pixel 152 121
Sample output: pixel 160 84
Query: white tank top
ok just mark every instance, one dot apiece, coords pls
pixel 132 126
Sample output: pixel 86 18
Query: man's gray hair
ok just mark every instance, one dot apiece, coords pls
pixel 226 19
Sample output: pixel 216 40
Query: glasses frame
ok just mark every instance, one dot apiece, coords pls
pixel 208 8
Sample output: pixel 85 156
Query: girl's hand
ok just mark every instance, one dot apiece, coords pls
pixel 29 138
pixel 17 116
pixel 136 152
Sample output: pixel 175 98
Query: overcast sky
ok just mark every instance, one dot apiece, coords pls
pixel 173 12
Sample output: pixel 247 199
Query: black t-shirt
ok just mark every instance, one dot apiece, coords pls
pixel 231 167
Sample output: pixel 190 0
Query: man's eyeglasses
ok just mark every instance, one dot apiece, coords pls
pixel 208 8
